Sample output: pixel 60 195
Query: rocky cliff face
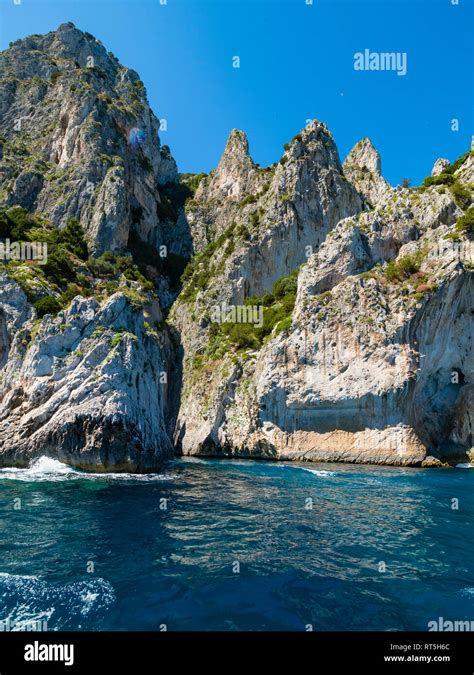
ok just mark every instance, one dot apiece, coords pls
pixel 274 214
pixel 84 354
pixel 79 139
pixel 87 387
pixel 325 315
pixel 370 359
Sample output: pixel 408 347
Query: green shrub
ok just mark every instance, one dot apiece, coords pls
pixel 446 177
pixel 268 300
pixel 283 325
pixel 192 181
pixel 47 305
pixel 199 271
pixel 69 294
pixel 241 335
pixel 5 227
pixel 73 239
pixel 443 179
pixel 264 190
pixel 409 264
pixel 135 299
pixel 461 194
pixel 249 199
pixel 285 285
pixel 243 232
pixel 15 223
pixel 458 163
pixel 391 272
pixel 404 267
pixel 116 340
pixel 277 310
pixel 111 287
pixel 370 274
pixel 255 219
pixel 102 266
pixel 98 330
pixel 323 298
pixel 466 222
pixel 452 236
pixel 59 269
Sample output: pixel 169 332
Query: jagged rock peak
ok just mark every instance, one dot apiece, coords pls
pixel 316 142
pixel 236 153
pixel 364 155
pixel 92 141
pixel 237 143
pixel 235 171
pixel 439 166
pixel 363 168
pixel 315 129
pixel 67 43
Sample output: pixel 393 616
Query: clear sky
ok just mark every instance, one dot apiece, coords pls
pixel 296 63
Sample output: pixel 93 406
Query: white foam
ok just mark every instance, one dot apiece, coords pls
pixel 464 466
pixel 51 470
pixel 48 465
pixel 27 599
pixel 88 598
pixel 320 473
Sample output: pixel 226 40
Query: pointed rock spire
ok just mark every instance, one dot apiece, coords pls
pixel 236 169
pixel 315 143
pixel 364 155
pixel 363 168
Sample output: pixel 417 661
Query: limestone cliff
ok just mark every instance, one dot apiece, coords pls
pixel 84 352
pixel 323 315
pixel 79 139
pixel 87 387
pixel 365 353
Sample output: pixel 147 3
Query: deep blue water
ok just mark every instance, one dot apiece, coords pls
pixel 298 566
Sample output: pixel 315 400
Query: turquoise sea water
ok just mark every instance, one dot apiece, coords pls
pixel 177 566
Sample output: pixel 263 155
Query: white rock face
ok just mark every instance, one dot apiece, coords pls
pixel 88 146
pixel 465 173
pixel 439 166
pixel 368 352
pixel 374 368
pixel 363 168
pixel 287 211
pixel 236 173
pixel 87 389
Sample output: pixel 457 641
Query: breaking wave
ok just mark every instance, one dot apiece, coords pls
pixel 46 469
pixel 320 473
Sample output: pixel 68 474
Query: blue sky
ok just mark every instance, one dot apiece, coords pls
pixel 297 62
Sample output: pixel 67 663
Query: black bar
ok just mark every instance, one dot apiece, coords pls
pixel 111 652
